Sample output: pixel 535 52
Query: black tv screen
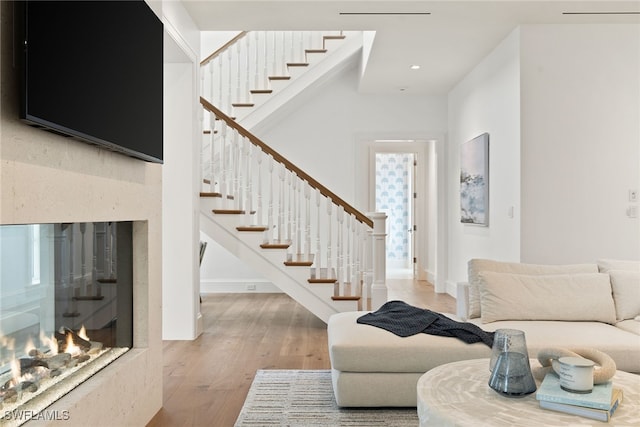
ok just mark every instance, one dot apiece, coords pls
pixel 93 70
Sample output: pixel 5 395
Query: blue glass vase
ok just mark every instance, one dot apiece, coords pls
pixel 510 370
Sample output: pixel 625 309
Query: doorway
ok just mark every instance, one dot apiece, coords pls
pixel 395 178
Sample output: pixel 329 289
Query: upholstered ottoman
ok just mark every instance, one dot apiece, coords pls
pixel 372 367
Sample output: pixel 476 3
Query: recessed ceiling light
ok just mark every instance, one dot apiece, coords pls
pixel 415 67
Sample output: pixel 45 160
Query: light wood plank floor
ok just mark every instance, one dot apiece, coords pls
pixel 206 380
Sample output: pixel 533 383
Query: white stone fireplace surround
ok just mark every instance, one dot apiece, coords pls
pixel 46 178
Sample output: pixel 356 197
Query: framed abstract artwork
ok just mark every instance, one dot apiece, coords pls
pixel 474 181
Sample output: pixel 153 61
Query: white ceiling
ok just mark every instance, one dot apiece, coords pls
pixel 446 38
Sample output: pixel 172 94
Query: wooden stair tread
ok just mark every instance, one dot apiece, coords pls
pixel 279 77
pixel 208 194
pixel 230 212
pixel 256 91
pixel 315 50
pixel 346 298
pixel 322 280
pixel 252 228
pixel 283 245
pixel 243 104
pixel 334 37
pixel 299 261
pixel 297 64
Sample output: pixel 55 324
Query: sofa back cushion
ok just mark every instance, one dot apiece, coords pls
pixel 475 266
pixel 626 293
pixel 605 265
pixel 568 297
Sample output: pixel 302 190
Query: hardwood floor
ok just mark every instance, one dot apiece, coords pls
pixel 206 381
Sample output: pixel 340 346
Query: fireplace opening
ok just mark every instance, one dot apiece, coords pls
pixel 66 309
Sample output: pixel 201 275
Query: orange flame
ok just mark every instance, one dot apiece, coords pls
pixel 15 371
pixel 52 342
pixel 83 333
pixel 71 347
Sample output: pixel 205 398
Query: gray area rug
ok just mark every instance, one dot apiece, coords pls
pixel 305 398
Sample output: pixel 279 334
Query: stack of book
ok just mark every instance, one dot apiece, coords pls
pixel 600 404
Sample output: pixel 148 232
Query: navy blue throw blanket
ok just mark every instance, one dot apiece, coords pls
pixel 404 320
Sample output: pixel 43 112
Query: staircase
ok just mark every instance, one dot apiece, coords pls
pixel 272 215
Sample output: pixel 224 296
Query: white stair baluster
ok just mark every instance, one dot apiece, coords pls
pixel 307 230
pixel 265 54
pixel 339 250
pixel 318 257
pixel 256 38
pixel 249 219
pixel 294 218
pixel 283 61
pixel 329 260
pixel 238 98
pixel 281 203
pixel 269 233
pixel 234 169
pixel 246 80
pixel 347 275
pixel 224 191
pixel 275 55
pixel 228 109
pixel 240 174
pixel 299 218
pixel 289 207
pixel 259 211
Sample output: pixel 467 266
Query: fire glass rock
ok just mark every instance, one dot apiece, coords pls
pixel 58 361
pixel 27 363
pixel 82 358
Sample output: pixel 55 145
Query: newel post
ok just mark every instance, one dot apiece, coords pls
pixel 379 256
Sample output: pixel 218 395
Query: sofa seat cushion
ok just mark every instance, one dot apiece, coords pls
pixel 356 347
pixel 621 345
pixel 630 325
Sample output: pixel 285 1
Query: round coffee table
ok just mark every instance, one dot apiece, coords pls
pixel 458 394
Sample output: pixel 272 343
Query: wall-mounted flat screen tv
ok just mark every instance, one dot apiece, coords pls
pixel 93 70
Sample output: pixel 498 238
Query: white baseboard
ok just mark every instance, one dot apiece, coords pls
pixel 238 287
pixel 452 288
pixel 431 276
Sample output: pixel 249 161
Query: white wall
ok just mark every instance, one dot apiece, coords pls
pixel 323 134
pixel 221 271
pixel 320 134
pixel 210 41
pixel 580 142
pixel 487 100
pixel 181 174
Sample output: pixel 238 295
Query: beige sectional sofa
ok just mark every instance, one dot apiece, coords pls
pixel 590 305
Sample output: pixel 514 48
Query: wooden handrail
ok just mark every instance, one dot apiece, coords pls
pixel 211 57
pixel 293 168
